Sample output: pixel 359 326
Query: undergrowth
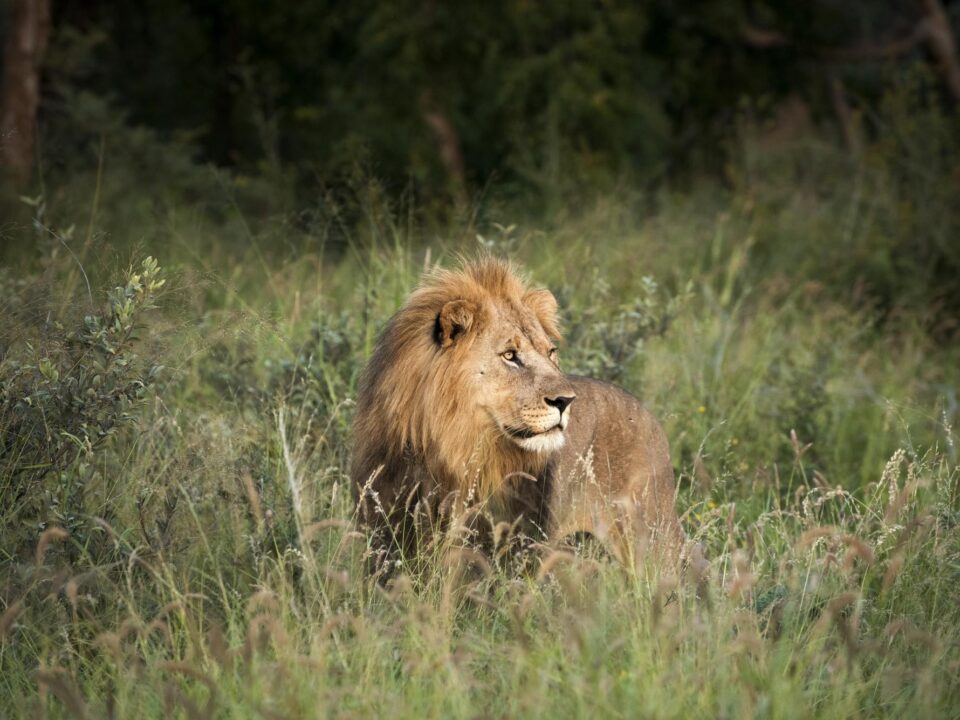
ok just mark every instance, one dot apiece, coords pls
pixel 177 536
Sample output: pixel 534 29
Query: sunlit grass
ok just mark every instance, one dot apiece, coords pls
pixel 213 568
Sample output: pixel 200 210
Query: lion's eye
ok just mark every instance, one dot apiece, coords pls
pixel 553 354
pixel 510 356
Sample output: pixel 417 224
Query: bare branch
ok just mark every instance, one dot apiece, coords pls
pixel 933 30
pixel 879 51
pixel 762 38
pixel 943 45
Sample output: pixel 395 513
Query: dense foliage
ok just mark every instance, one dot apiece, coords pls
pixel 544 96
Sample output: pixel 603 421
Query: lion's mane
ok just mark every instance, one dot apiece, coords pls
pixel 410 415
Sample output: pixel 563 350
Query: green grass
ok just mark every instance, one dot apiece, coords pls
pixel 813 441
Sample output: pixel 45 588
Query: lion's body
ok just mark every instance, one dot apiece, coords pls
pixel 462 404
pixel 613 475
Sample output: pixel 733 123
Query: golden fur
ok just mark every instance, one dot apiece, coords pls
pixel 463 395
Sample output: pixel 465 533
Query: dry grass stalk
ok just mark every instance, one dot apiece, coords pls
pixel 554 559
pixel 72 591
pixel 110 642
pixel 261 628
pixel 160 627
pixel 331 523
pixel 253 497
pixel 172 697
pixel 743 579
pixel 59 682
pixel 190 671
pixel 893 570
pixel 461 559
pixel 263 600
pixel 9 617
pixel 218 647
pixel 46 537
pixel 857 548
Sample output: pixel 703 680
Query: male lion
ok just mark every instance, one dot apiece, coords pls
pixel 463 404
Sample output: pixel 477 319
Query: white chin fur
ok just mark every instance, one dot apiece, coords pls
pixel 547 442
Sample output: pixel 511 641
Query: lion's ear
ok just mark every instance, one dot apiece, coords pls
pixel 454 321
pixel 544 306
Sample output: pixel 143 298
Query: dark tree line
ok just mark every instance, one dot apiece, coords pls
pixel 448 95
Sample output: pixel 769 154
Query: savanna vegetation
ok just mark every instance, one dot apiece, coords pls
pixel 750 215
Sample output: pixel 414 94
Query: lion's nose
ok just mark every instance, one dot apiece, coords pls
pixel 560 402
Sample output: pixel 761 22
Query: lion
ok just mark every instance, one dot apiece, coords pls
pixel 463 401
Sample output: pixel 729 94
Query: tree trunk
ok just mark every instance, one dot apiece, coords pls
pixel 943 46
pixel 845 117
pixel 23 57
pixel 448 144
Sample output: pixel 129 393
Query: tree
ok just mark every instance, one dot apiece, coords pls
pixel 23 57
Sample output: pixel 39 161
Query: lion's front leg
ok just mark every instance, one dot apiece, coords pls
pixel 396 511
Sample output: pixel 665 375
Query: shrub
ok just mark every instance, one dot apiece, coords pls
pixel 65 389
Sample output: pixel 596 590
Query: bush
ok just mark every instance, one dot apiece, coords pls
pixel 65 389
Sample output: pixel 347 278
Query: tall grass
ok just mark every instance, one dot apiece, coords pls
pixel 211 566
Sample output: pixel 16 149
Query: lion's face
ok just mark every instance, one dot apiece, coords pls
pixel 512 369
